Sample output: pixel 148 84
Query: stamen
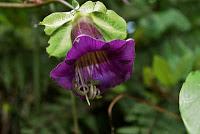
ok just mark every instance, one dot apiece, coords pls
pixel 91 91
pixel 94 91
pixel 88 101
pixel 85 86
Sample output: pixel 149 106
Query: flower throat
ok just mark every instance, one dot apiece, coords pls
pixel 85 66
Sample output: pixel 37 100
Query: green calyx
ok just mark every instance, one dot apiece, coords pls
pixel 58 26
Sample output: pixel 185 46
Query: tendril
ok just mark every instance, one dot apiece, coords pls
pixel 90 91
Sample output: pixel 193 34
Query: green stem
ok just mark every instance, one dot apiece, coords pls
pixel 74 114
pixel 36 76
pixel 29 5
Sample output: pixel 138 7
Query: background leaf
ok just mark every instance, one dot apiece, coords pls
pixel 163 71
pixel 163 21
pixel 38 105
pixel 189 102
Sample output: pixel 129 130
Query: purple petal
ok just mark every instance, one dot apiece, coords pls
pixel 63 74
pixel 121 57
pixel 118 68
pixel 82 45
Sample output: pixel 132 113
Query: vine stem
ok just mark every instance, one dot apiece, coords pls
pixel 29 5
pixel 139 100
pixel 74 114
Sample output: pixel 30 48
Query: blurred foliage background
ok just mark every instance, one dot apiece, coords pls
pixel 167 48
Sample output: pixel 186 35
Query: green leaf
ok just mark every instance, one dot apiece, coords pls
pixel 163 71
pixel 148 76
pixel 120 89
pixel 189 102
pixel 6 72
pixel 128 130
pixel 160 22
pixel 75 4
pixel 89 7
pixel 197 57
pixel 60 41
pixel 111 25
pixel 20 72
pixel 53 21
pixel 184 66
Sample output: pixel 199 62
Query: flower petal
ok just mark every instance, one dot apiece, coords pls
pixel 63 74
pixel 121 56
pixel 82 45
pixel 117 69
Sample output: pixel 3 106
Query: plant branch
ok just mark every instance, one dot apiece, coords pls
pixel 155 107
pixel 30 5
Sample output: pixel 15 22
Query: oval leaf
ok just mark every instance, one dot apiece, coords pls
pixel 189 102
pixel 112 26
pixel 163 72
pixel 60 41
pixel 55 20
pixel 148 76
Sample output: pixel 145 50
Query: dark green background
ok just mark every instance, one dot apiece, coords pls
pixel 167 35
